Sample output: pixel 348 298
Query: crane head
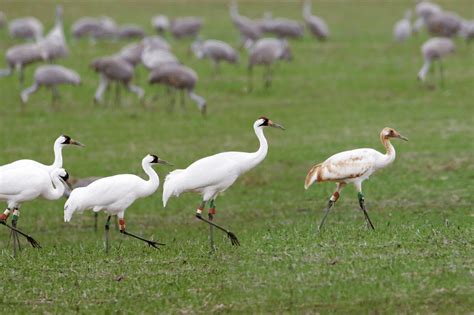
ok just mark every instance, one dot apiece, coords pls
pixel 65 140
pixel 265 122
pixel 153 159
pixel 388 132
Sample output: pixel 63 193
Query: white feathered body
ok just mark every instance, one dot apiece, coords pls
pixel 402 30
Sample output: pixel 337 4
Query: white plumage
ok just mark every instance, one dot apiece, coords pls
pixel 402 29
pixel 59 143
pixel 353 166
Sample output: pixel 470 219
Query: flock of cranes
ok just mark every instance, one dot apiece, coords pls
pixel 26 180
pixel 442 25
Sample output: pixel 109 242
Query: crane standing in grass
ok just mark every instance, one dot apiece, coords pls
pixel 316 24
pixel 212 175
pixel 434 49
pixel 402 29
pixel 353 166
pixel 114 195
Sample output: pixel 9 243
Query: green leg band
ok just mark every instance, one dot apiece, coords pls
pixel 212 204
pixel 360 196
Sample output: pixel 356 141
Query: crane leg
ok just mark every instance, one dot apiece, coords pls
pixel 332 201
pixel 182 100
pixel 14 234
pixel 124 232
pixel 441 72
pixel 211 213
pixel 107 228
pixel 3 220
pixel 96 219
pixel 117 92
pixel 267 77
pixel 26 92
pixel 362 206
pixel 233 239
pixel 101 89
pixel 136 89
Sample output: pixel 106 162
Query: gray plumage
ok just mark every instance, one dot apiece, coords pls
pixel 433 50
pixel 19 56
pixel 467 30
pixel 132 53
pixel 316 25
pixel 130 31
pixel 156 42
pixel 50 76
pixel 424 10
pixel 160 23
pixel 185 27
pixel 153 55
pixel 55 43
pixel 249 30
pixel 282 27
pixel 94 28
pixel 445 24
pixel 178 77
pixel 266 52
pixel 114 68
pixel 26 28
pixel 215 50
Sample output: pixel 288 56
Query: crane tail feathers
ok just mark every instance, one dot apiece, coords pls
pixel 312 176
pixel 170 186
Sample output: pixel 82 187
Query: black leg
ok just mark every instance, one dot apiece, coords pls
pixel 96 219
pixel 31 240
pixel 150 243
pixel 107 228
pixel 362 206
pixel 232 237
pixel 326 212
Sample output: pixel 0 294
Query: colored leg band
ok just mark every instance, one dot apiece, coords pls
pixel 212 211
pixel 122 224
pixel 334 197
pixel 198 210
pixel 360 196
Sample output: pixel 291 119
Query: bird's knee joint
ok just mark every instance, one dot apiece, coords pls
pixel 334 196
pixel 122 225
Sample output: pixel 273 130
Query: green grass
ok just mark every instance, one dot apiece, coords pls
pixel 334 96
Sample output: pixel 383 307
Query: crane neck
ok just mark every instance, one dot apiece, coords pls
pixel 58 156
pixel 307 10
pixel 390 154
pixel 261 153
pixel 56 190
pixel 151 185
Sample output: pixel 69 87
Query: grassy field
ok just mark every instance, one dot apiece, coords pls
pixel 334 96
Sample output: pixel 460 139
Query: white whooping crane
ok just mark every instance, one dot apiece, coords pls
pixel 212 175
pixel 60 142
pixel 114 194
pixel 353 166
pixel 18 185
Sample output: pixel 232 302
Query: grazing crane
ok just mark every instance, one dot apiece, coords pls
pixel 156 42
pixel 178 77
pixel 130 31
pixel 267 51
pixel 160 23
pixel 132 53
pixel 55 43
pixel 316 24
pixel 58 145
pixel 114 195
pixel 156 52
pixel 424 10
pixel 444 24
pixel 467 30
pixel 19 185
pixel 353 166
pixel 216 51
pixel 19 56
pixel 186 27
pixel 249 30
pixel 94 28
pixel 26 28
pixel 212 175
pixel 51 76
pixel 434 49
pixel 402 29
pixel 282 27
pixel 114 69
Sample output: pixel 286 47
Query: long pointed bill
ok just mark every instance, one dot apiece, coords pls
pixel 74 142
pixel 164 162
pixel 275 125
pixel 403 138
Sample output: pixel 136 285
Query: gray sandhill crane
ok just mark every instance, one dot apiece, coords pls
pixel 26 28
pixel 444 24
pixel 94 28
pixel 130 31
pixel 249 30
pixel 114 69
pixel 282 27
pixel 216 51
pixel 316 25
pixel 424 10
pixel 402 29
pixel 51 76
pixel 19 56
pixel 185 27
pixel 154 55
pixel 467 30
pixel 160 23
pixel 55 43
pixel 432 50
pixel 178 77
pixel 266 52
pixel 156 42
pixel 132 53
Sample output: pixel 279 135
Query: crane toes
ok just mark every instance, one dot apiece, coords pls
pixel 33 242
pixel 233 239
pixel 154 244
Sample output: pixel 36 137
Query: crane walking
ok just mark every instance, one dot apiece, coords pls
pixel 114 194
pixel 212 175
pixel 353 166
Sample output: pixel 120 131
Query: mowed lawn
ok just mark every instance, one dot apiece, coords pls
pixel 332 97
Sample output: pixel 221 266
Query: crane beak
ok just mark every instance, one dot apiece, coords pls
pixel 275 125
pixel 164 162
pixel 74 142
pixel 402 137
